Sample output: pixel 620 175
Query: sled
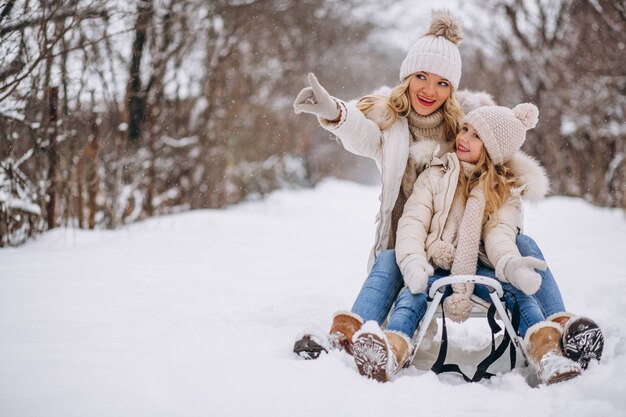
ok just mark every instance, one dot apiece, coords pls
pixel 480 310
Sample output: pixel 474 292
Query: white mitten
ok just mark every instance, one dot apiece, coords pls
pixel 416 271
pixel 520 272
pixel 316 100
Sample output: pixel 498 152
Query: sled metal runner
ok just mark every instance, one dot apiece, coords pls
pixel 496 293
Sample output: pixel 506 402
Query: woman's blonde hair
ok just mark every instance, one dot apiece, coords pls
pixel 398 104
pixel 496 181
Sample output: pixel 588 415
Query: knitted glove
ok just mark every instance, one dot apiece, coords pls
pixel 520 272
pixel 316 100
pixel 416 271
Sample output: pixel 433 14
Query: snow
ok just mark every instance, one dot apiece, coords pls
pixel 195 314
pixel 19 204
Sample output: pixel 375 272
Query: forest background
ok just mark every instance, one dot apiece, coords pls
pixel 112 112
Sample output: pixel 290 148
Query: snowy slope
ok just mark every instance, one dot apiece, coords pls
pixel 196 314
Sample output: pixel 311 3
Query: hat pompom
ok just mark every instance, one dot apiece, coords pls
pixel 443 23
pixel 528 114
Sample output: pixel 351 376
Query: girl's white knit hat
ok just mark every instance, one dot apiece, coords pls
pixel 437 51
pixel 502 130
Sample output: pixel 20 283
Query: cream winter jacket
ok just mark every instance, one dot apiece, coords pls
pixel 426 211
pixel 390 149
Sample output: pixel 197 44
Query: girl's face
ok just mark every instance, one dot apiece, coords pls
pixel 428 92
pixel 468 144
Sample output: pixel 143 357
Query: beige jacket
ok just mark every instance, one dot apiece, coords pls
pixel 426 211
pixel 389 148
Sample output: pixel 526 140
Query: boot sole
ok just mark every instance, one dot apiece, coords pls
pixel 566 376
pixel 371 356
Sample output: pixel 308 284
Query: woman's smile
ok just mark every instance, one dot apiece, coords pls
pixel 425 101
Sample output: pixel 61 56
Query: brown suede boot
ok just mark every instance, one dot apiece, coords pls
pixel 400 346
pixel 312 343
pixel 543 345
pixel 560 318
pixel 345 325
pixel 380 355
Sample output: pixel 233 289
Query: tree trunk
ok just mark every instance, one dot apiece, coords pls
pixel 136 95
pixel 53 157
pixel 92 151
pixel 80 192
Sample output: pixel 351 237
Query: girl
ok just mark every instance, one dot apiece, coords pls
pixel 463 217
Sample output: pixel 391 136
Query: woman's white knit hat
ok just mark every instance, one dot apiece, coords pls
pixel 502 130
pixel 437 51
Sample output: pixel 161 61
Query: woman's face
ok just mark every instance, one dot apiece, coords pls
pixel 468 144
pixel 428 92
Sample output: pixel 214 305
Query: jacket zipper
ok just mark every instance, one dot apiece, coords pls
pixel 445 203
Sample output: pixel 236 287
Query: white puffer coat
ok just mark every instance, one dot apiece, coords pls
pixel 390 149
pixel 426 211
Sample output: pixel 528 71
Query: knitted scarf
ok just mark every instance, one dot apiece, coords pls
pixel 420 127
pixel 458 306
pixel 443 250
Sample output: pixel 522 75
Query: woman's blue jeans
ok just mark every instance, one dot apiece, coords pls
pixel 384 289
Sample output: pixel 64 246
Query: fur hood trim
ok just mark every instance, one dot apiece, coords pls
pixel 471 100
pixel 532 181
pixel 423 151
pixel 531 176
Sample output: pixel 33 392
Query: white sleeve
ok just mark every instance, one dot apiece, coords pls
pixel 358 134
pixel 499 236
pixel 415 222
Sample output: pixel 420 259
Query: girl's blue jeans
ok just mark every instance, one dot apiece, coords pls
pixel 384 289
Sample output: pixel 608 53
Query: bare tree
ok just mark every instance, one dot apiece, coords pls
pixel 109 116
pixel 565 56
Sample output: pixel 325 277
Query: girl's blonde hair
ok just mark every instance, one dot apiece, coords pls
pixel 398 104
pixel 496 181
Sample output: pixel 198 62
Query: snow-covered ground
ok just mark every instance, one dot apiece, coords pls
pixel 196 314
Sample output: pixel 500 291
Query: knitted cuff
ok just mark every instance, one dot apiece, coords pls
pixel 330 125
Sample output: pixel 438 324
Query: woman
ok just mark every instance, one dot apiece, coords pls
pixel 463 217
pixel 419 115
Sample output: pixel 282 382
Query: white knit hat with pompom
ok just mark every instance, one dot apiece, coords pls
pixel 502 130
pixel 437 51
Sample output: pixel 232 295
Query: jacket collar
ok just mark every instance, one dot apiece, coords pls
pixel 532 181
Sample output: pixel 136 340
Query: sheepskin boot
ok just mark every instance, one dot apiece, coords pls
pixel 312 344
pixel 543 344
pixel 560 318
pixel 345 325
pixel 379 355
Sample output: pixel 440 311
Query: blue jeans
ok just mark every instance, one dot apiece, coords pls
pixel 385 286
